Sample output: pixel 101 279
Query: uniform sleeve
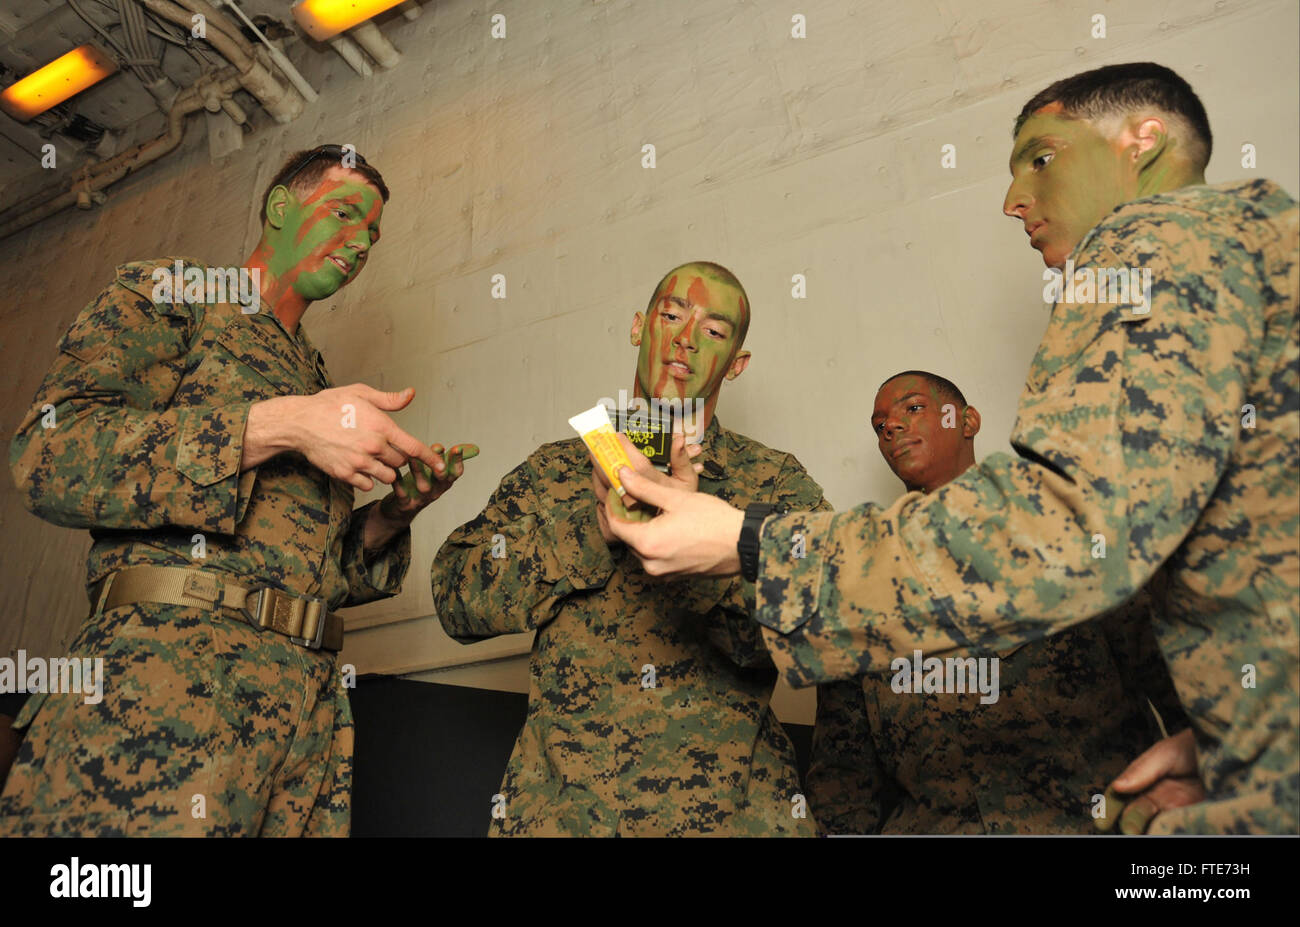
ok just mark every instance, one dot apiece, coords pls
pixel 101 447
pixel 849 790
pixel 510 568
pixel 376 574
pixel 731 625
pixel 1125 427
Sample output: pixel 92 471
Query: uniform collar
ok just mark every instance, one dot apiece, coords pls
pixel 716 450
pixel 300 341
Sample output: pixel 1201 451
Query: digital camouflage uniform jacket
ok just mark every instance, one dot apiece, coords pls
pixel 151 398
pixel 1173 437
pixel 137 434
pixel 1071 714
pixel 648 700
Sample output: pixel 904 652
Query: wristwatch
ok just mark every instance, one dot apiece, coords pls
pixel 748 544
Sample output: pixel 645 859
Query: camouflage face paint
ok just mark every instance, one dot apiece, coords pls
pixel 317 245
pixel 690 337
pixel 908 421
pixel 1066 177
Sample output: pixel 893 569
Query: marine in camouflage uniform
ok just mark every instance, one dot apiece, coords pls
pixel 1170 434
pixel 1156 438
pixel 206 725
pixel 648 709
pixel 1071 710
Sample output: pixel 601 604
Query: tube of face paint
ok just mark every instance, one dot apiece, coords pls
pixel 602 440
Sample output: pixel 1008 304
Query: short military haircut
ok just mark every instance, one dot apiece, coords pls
pixel 1120 89
pixel 309 177
pixel 945 387
pixel 721 274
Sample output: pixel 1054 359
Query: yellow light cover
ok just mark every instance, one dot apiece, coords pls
pixel 324 19
pixel 63 77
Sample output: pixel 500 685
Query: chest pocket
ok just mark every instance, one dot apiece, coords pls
pixel 252 362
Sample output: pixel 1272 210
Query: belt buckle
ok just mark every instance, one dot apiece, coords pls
pixel 254 615
pixel 314 643
pixel 262 609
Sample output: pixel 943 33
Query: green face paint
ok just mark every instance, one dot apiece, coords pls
pixel 324 239
pixel 1168 171
pixel 690 336
pixel 1066 177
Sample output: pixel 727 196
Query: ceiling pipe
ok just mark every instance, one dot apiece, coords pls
pixel 281 102
pixel 281 60
pixel 234 111
pixel 368 36
pixel 351 54
pixel 85 189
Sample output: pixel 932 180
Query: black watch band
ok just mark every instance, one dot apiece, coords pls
pixel 748 545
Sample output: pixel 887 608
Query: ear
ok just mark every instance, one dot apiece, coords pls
pixel 1146 140
pixel 277 203
pixel 638 321
pixel 970 422
pixel 738 365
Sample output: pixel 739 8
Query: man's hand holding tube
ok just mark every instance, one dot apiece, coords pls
pixel 684 477
pixel 694 533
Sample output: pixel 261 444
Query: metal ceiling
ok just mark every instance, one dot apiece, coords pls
pixel 109 119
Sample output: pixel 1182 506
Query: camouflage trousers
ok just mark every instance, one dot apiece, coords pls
pixel 205 727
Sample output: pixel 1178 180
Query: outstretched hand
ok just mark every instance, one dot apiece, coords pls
pixel 345 432
pixel 421 484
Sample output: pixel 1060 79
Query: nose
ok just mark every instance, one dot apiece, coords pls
pixel 1017 201
pixel 889 428
pixel 360 242
pixel 685 338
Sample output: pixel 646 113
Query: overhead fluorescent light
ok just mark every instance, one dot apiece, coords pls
pixel 62 78
pixel 324 19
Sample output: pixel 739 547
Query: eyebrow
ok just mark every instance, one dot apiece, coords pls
pixel 1028 146
pixel 351 202
pixel 898 402
pixel 683 304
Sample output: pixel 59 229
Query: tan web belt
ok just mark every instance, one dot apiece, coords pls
pixel 303 619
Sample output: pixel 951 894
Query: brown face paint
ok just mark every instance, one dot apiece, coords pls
pixel 340 226
pixel 321 243
pixel 690 336
pixel 663 356
pixel 672 285
pixel 698 293
pixel 662 350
